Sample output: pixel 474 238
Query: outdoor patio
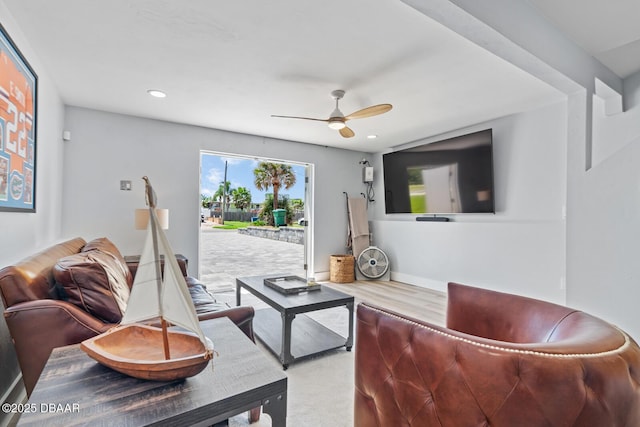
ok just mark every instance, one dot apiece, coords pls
pixel 227 254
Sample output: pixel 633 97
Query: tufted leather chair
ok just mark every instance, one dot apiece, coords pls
pixel 502 361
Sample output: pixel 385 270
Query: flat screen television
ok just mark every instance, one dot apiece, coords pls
pixel 444 177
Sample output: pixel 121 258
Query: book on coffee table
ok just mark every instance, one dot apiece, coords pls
pixel 290 284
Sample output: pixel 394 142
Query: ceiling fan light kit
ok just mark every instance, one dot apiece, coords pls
pixel 336 124
pixel 337 120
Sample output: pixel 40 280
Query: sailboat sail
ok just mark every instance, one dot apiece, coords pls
pixel 155 295
pixel 143 302
pixel 169 299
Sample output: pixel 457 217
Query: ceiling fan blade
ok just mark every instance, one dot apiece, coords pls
pixel 346 132
pixel 303 118
pixel 374 110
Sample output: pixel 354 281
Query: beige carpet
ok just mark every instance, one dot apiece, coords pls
pixel 320 389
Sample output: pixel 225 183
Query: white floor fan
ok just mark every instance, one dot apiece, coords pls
pixel 371 262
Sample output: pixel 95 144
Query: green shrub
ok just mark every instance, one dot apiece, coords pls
pixel 266 213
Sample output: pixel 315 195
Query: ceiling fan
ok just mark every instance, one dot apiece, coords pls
pixel 337 120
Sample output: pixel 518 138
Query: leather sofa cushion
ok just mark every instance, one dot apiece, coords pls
pixel 94 281
pixel 32 278
pixel 105 245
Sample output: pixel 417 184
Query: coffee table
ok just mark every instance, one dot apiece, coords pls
pixel 305 337
pixel 75 390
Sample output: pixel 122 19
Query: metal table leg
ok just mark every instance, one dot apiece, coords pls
pixel 276 407
pixel 285 353
pixel 238 294
pixel 349 342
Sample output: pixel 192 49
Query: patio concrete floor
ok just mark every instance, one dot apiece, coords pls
pixel 226 254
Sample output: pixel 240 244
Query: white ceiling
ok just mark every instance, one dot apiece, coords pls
pixel 608 29
pixel 231 64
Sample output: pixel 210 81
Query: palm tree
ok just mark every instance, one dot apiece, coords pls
pixel 223 190
pixel 297 205
pixel 274 175
pixel 206 201
pixel 241 198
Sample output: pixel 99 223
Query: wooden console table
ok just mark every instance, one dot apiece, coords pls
pixel 75 390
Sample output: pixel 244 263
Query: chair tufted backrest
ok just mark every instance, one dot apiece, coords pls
pixel 411 373
pixel 537 324
pixel 501 316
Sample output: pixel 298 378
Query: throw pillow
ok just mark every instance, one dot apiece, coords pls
pixel 94 281
pixel 106 245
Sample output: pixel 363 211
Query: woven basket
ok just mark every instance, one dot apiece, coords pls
pixel 341 269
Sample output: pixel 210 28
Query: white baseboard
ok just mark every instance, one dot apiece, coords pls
pixel 437 285
pixel 423 282
pixel 322 275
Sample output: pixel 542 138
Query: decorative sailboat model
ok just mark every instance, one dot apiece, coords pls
pixel 149 352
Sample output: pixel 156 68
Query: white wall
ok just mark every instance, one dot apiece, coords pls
pixel 520 249
pixel 602 184
pixel 106 148
pixel 612 132
pixel 604 231
pixel 632 92
pixel 24 233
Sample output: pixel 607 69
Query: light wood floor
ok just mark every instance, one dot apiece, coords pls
pixel 414 301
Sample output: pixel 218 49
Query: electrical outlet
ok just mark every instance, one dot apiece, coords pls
pixel 125 185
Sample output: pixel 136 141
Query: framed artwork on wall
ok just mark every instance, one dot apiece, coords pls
pixel 18 105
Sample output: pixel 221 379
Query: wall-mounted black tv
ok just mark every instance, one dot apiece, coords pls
pixel 444 177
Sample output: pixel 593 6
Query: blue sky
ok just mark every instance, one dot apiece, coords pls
pixel 240 174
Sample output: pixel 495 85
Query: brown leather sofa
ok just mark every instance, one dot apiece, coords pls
pixel 502 361
pixel 42 315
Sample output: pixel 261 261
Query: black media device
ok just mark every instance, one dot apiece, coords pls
pixel 432 218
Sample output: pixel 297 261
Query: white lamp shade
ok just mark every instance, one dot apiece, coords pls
pixel 142 218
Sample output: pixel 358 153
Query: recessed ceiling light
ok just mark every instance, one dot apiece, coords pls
pixel 372 136
pixel 157 93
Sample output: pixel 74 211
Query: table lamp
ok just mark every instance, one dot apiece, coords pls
pixel 142 218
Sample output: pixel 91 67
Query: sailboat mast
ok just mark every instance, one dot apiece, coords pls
pixel 156 255
pixel 151 201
